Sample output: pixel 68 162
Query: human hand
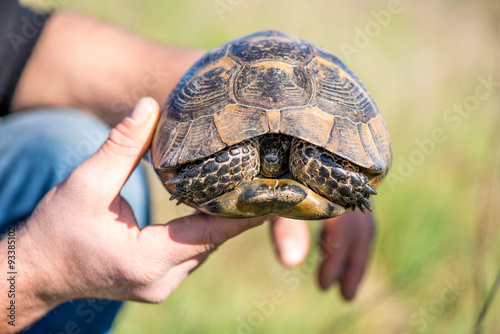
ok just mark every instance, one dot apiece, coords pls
pixel 83 239
pixel 345 242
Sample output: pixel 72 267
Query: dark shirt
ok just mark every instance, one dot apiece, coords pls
pixel 20 29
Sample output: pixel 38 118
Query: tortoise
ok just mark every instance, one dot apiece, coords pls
pixel 271 124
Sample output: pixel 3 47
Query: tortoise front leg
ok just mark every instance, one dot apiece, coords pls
pixel 329 175
pixel 208 178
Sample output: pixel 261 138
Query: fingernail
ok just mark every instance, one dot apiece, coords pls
pixel 331 283
pixel 334 277
pixel 142 110
pixel 290 254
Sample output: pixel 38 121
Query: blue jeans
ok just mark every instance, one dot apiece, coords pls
pixel 38 149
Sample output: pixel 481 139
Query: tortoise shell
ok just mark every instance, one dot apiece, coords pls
pixel 271 82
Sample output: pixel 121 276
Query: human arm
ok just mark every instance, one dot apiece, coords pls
pixel 83 240
pixel 87 64
pixel 345 242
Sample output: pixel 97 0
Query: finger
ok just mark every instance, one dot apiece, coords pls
pixel 360 253
pixel 110 167
pixel 162 288
pixel 291 240
pixel 190 236
pixel 156 286
pixel 179 272
pixel 335 243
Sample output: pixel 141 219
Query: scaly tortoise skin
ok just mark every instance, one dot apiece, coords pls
pixel 271 124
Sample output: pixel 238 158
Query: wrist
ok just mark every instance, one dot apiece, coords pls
pixel 25 281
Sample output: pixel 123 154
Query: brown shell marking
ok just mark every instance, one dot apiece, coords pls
pixel 236 123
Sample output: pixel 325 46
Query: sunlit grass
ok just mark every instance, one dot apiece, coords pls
pixel 437 226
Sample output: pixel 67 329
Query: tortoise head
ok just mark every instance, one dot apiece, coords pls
pixel 274 155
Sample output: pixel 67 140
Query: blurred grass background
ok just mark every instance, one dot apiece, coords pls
pixel 437 250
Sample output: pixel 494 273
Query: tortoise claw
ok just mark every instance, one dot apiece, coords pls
pixel 361 207
pixel 369 190
pixel 177 193
pixel 175 180
pixel 181 201
pixel 366 202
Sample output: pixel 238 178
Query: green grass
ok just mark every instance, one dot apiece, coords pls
pixel 437 226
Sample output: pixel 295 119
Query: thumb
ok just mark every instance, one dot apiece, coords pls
pixel 110 167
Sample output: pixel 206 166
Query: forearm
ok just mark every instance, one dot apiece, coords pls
pixel 21 302
pixel 90 65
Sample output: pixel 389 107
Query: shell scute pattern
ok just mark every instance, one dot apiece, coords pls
pixel 339 95
pixel 254 51
pixel 209 58
pixel 204 95
pixel 273 87
pixel 276 72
